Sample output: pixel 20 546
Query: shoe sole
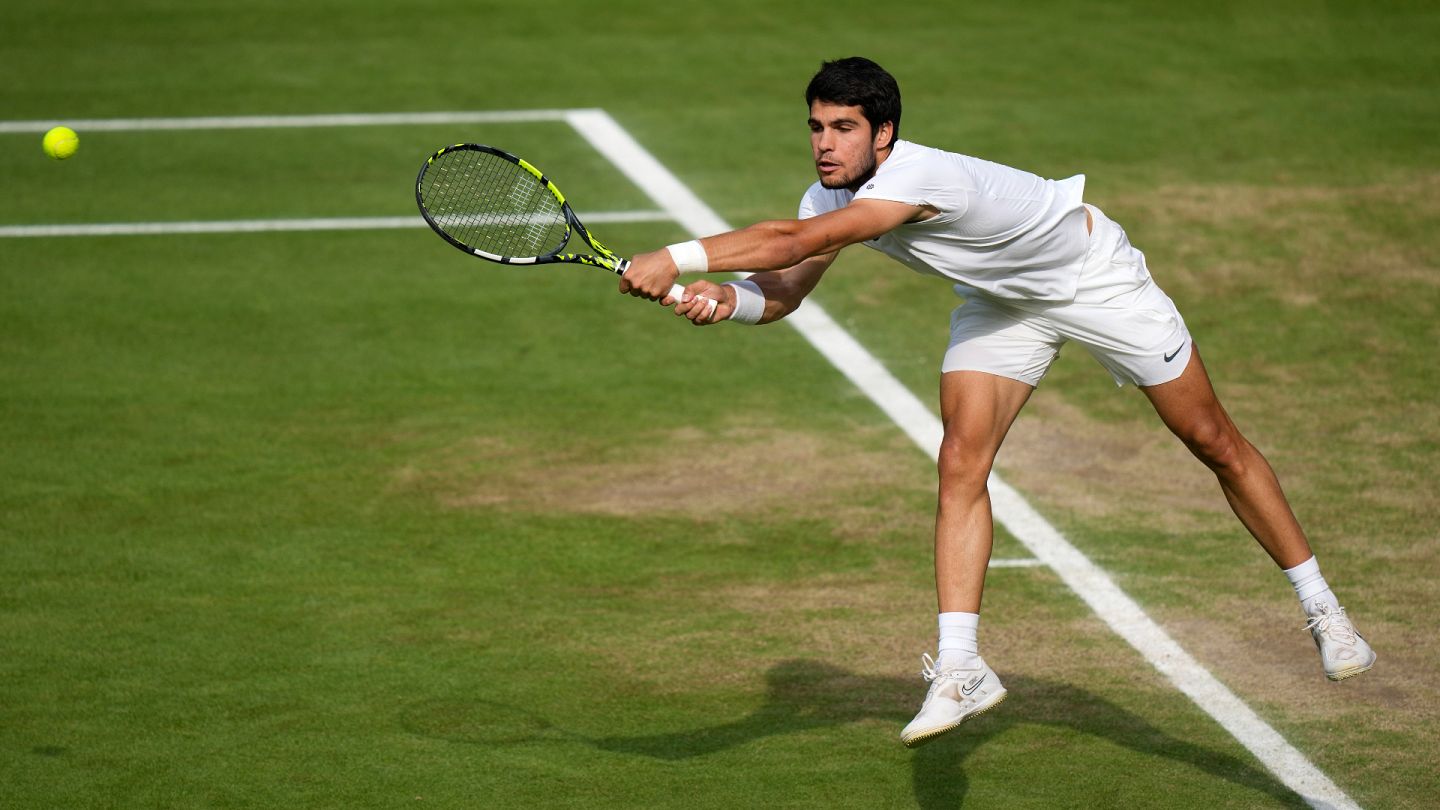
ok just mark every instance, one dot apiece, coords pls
pixel 1350 673
pixel 921 739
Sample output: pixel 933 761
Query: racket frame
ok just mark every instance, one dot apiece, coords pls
pixel 602 257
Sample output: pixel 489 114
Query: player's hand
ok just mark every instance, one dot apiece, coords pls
pixel 706 303
pixel 650 275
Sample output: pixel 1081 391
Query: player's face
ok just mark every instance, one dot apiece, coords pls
pixel 846 149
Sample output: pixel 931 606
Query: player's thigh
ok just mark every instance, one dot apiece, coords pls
pixel 979 405
pixel 977 409
pixel 1189 406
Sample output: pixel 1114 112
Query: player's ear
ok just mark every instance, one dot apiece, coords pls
pixel 884 136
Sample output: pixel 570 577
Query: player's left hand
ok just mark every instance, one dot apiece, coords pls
pixel 706 303
pixel 650 275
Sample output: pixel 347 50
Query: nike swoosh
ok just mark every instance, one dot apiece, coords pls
pixel 1172 355
pixel 967 691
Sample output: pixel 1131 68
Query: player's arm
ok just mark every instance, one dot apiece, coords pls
pixel 771 246
pixel 780 293
pixel 785 289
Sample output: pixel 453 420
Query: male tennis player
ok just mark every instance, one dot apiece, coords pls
pixel 1038 267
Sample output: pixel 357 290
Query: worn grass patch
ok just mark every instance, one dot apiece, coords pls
pixel 1301 244
pixel 857 484
pixel 1105 470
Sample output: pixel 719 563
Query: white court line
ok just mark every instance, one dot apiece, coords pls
pixel 1091 583
pixel 288 121
pixel 1020 562
pixel 270 225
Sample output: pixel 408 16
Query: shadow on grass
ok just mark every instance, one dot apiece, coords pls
pixel 804 695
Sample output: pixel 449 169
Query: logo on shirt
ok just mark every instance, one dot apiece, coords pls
pixel 872 185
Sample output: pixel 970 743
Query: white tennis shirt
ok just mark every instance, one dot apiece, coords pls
pixel 1002 231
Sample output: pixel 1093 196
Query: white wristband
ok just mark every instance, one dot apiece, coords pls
pixel 749 301
pixel 689 256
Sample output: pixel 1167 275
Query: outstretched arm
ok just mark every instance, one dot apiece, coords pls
pixel 783 291
pixel 774 245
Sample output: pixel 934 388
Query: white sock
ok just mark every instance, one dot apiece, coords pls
pixel 959 645
pixel 1310 586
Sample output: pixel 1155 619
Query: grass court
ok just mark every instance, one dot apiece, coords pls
pixel 345 519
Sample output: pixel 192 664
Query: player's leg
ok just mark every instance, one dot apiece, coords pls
pixel 1189 407
pixel 1128 323
pixel 977 409
pixel 995 359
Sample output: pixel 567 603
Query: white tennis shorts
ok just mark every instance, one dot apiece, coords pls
pixel 1119 315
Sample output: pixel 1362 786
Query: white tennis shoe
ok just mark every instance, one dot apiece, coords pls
pixel 1343 653
pixel 956 695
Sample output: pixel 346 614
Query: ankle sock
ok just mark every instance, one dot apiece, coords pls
pixel 958 638
pixel 1310 586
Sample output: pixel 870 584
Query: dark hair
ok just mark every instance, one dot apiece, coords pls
pixel 857 82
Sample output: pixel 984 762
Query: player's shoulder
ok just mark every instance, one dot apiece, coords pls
pixel 909 151
pixel 908 156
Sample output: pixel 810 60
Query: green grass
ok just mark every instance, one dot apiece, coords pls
pixel 345 519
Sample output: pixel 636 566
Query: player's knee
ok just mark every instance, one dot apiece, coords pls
pixel 964 466
pixel 1217 444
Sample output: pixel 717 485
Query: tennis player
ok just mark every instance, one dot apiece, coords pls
pixel 1038 267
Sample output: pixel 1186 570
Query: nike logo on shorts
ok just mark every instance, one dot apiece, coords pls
pixel 1174 354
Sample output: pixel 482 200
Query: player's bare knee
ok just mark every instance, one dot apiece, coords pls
pixel 1217 444
pixel 964 467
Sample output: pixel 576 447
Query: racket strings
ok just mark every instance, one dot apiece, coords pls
pixel 494 205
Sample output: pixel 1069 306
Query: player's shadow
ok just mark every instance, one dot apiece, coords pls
pixel 807 694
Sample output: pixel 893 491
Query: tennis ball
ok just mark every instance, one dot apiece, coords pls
pixel 61 142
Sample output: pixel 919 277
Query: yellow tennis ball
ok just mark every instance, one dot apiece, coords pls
pixel 61 142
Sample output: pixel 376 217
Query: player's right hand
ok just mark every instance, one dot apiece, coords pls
pixel 697 304
pixel 650 275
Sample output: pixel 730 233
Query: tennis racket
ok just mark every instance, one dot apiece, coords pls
pixel 492 204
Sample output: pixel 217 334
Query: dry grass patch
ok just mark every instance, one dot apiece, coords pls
pixel 1313 239
pixel 1059 455
pixel 1262 651
pixel 872 623
pixel 859 483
